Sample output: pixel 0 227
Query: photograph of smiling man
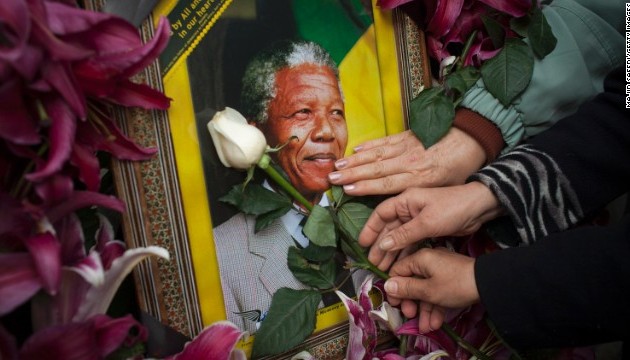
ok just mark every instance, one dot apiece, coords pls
pixel 291 92
pixel 298 78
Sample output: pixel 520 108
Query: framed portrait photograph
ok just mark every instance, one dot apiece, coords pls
pixel 220 267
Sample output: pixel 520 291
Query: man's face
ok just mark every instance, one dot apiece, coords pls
pixel 307 105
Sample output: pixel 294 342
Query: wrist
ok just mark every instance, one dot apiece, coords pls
pixel 458 155
pixel 485 203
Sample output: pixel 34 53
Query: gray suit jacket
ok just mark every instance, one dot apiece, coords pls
pixel 252 266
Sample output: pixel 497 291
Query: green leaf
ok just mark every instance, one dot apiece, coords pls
pixel 520 25
pixel 540 36
pixel 508 73
pixel 431 114
pixel 319 275
pixel 319 227
pixel 495 30
pixel 264 220
pixel 255 199
pixel 290 320
pixel 339 196
pixel 318 253
pixel 461 80
pixel 353 217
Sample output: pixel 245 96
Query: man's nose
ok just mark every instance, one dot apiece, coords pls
pixel 323 129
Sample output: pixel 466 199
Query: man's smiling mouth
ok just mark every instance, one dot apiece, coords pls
pixel 328 157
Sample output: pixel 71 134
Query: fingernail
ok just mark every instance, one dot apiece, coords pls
pixel 357 148
pixel 386 244
pixel 391 286
pixel 334 176
pixel 340 164
pixel 347 188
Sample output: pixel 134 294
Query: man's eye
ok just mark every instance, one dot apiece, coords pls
pixel 338 113
pixel 302 114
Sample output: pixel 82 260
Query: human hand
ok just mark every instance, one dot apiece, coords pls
pixel 394 163
pixel 418 213
pixel 429 281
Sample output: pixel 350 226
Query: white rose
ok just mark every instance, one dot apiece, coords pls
pixel 238 144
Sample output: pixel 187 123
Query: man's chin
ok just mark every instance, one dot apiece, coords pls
pixel 310 187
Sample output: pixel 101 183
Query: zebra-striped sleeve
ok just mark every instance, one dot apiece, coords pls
pixel 533 190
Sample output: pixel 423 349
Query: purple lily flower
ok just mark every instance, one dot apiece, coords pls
pixel 89 283
pixel 452 22
pixel 95 338
pixel 215 342
pixel 60 68
pixel 363 332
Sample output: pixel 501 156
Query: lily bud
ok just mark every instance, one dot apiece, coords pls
pixel 238 144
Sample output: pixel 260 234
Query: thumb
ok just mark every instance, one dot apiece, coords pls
pixel 404 235
pixel 408 288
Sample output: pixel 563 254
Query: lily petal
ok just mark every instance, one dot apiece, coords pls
pixel 362 329
pixel 70 234
pixel 8 345
pixel 87 163
pixel 387 317
pixel 16 123
pixel 116 143
pixel 131 94
pixel 214 342
pixel 98 298
pixel 303 355
pixel 112 333
pixel 55 189
pixel 61 135
pixel 390 4
pixel 46 252
pixel 91 269
pixel 74 341
pixel 107 247
pixel 83 199
pixel 443 19
pixel 356 350
pixel 516 8
pixel 15 15
pixel 19 280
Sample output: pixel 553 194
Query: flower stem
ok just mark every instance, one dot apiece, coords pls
pixel 467 46
pixel 264 164
pixel 463 343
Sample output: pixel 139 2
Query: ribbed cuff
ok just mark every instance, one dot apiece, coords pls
pixel 481 129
